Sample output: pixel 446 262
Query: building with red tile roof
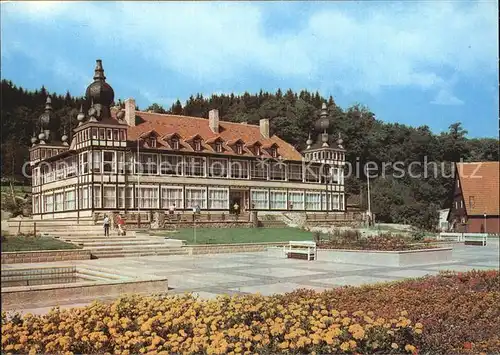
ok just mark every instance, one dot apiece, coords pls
pixel 476 198
pixel 124 160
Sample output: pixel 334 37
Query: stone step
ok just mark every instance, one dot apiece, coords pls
pixel 91 245
pixel 101 239
pixel 149 252
pixel 127 247
pixel 99 274
pixel 86 234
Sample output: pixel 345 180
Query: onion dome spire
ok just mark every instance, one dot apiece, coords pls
pixel 34 139
pixel 81 116
pixel 41 136
pixel 100 93
pixel 45 118
pixel 309 141
pixel 64 137
pixel 340 141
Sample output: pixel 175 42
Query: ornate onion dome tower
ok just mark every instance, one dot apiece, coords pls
pixel 45 135
pixel 99 95
pixel 328 147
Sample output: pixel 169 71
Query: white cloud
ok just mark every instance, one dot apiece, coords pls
pixel 391 45
pixel 444 97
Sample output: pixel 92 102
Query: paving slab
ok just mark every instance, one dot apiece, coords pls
pixel 354 280
pixel 280 287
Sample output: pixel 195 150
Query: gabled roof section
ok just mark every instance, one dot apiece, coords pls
pixel 214 140
pixel 188 127
pixel 234 142
pixel 193 138
pixel 480 184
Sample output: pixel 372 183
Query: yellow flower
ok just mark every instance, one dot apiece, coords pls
pixel 344 346
pixel 410 348
pixel 418 331
pixel 404 313
pixel 419 325
pixel 394 346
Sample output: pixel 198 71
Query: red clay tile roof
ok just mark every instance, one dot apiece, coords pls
pixel 480 183
pixel 187 127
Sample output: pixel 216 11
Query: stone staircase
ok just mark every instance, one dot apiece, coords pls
pixel 90 236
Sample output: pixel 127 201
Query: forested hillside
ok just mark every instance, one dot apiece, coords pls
pixel 366 138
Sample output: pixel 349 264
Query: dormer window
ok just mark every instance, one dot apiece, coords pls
pixel 197 145
pixel 175 143
pixel 274 152
pixel 239 148
pixel 257 150
pixel 152 142
pixel 218 147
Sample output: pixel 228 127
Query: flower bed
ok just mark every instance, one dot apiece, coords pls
pixel 385 242
pixel 450 313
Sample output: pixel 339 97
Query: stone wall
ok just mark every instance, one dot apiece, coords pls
pixel 231 248
pixel 44 256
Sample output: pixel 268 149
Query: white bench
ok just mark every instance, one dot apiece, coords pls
pixel 475 238
pixel 455 236
pixel 301 247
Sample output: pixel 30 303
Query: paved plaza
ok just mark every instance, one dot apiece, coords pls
pixel 269 273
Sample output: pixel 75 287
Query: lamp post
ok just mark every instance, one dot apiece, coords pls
pixel 369 196
pixel 485 230
pixel 138 185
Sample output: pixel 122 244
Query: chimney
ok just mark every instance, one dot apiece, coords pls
pixel 130 112
pixel 264 127
pixel 213 120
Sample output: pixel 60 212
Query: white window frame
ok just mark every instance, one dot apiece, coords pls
pixel 170 195
pixel 109 163
pixel 96 196
pixel 314 205
pixel 190 202
pixel 70 203
pixel 109 196
pixel 260 204
pixel 277 204
pixel 215 200
pixel 297 204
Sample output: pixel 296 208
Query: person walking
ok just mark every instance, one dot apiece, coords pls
pixel 236 208
pixel 106 225
pixel 121 225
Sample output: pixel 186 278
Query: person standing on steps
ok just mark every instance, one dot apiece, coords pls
pixel 106 226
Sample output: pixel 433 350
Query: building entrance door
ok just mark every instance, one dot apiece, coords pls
pixel 238 198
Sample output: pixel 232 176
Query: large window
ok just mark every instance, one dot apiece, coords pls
pixel 341 202
pixel 60 167
pixel 196 197
pixel 277 171
pixel 59 198
pixel 70 166
pixel 121 159
pixel 195 166
pixel 171 196
pixel 109 196
pixel 121 196
pixel 239 169
pixel 295 172
pixel 217 167
pixel 36 205
pixel 84 163
pixel 109 162
pixel 129 197
pixel 296 199
pixel 171 164
pixel 147 197
pixel 312 173
pixel 84 197
pixel 259 169
pixel 69 200
pixel 97 196
pixel 335 202
pixel 260 199
pixel 48 203
pixel 218 198
pixel 96 161
pixel 277 200
pixel 149 163
pixel 313 201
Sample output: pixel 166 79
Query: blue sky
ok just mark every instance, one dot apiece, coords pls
pixel 418 63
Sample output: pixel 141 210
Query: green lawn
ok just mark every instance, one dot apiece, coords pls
pixel 30 244
pixel 240 235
